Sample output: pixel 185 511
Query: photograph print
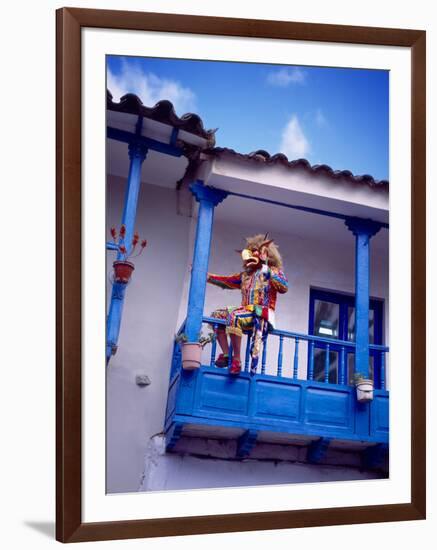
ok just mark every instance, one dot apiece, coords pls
pixel 247 229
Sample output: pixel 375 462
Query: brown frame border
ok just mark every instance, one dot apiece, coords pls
pixel 69 526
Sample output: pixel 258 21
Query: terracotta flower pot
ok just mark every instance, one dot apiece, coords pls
pixel 364 390
pixel 191 355
pixel 122 271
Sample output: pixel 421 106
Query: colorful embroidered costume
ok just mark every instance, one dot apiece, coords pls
pixel 258 289
pixel 260 282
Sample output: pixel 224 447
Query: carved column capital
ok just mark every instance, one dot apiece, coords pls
pixel 361 226
pixel 203 193
pixel 137 150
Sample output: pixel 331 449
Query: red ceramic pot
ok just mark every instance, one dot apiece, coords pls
pixel 122 271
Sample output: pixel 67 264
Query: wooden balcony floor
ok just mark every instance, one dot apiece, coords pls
pixel 264 409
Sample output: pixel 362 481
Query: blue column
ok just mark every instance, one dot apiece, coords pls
pixel 113 321
pixel 363 231
pixel 137 155
pixel 207 198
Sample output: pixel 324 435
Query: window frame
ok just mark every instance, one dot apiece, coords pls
pixel 344 301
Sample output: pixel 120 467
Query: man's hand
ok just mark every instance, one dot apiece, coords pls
pixel 265 270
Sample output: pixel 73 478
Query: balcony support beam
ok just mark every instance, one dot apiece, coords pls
pixel 298 207
pixel 246 443
pixel 166 148
pixel 374 457
pixel 173 435
pixel 317 450
pixel 137 155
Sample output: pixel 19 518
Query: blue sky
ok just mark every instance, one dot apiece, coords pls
pixel 329 116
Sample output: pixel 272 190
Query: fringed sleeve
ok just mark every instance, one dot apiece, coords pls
pixel 278 280
pixel 225 281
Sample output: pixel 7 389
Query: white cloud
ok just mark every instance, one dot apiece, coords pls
pixel 294 142
pixel 320 118
pixel 284 77
pixel 150 88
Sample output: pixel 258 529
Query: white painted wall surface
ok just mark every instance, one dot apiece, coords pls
pixel 152 301
pixel 167 471
pixel 280 183
pixel 156 305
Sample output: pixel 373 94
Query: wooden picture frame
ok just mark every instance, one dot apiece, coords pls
pixel 69 524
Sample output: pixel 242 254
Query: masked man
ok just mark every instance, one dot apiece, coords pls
pixel 260 281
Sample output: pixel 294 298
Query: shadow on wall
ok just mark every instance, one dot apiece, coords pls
pixel 46 528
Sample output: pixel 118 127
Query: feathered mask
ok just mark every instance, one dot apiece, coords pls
pixel 260 249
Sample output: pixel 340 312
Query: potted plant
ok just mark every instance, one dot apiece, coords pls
pixel 364 387
pixel 122 267
pixel 192 351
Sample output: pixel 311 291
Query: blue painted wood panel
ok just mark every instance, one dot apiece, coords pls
pixel 276 401
pixel 329 407
pixel 273 404
pixel 379 414
pixel 222 394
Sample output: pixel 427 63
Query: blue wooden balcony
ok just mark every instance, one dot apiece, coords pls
pixel 280 407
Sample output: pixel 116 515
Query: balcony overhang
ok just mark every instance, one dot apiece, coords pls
pixel 297 186
pixel 278 411
pixel 153 129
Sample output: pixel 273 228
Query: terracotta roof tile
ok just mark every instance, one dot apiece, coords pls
pixel 163 112
pixel 264 157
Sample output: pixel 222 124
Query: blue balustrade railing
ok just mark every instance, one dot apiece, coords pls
pixel 177 353
pixel 296 358
pixel 264 356
pixel 322 344
pixel 247 356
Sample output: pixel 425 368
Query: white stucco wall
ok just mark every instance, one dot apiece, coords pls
pixel 297 185
pixel 152 301
pixel 156 304
pixel 168 471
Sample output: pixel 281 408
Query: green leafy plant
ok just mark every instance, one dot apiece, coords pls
pixel 203 340
pixel 181 338
pixel 359 377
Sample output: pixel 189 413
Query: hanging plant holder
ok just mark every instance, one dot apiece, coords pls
pixel 191 355
pixel 364 389
pixel 123 271
pixel 192 351
pixel 123 268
